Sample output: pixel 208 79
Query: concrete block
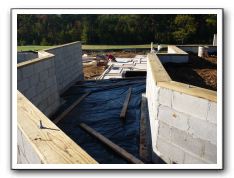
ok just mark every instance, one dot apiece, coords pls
pixel 19 75
pixel 34 79
pixel 191 159
pixel 169 151
pixel 210 152
pixel 212 112
pixel 43 75
pixel 190 105
pixel 21 158
pixel 51 71
pixel 30 93
pixel 165 97
pixel 27 71
pixel 20 140
pixel 47 64
pixel 39 67
pixel 40 87
pixel 23 85
pixel 203 130
pixel 164 131
pixel 173 118
pixel 187 142
pixel 31 154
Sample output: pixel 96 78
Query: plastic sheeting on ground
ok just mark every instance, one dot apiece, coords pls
pixel 101 111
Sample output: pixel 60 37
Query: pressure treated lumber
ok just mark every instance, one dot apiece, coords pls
pixel 125 105
pixel 144 149
pixel 48 142
pixel 123 153
pixel 69 109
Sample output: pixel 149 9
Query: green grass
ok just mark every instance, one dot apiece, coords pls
pixel 86 47
pixel 32 48
pixel 103 47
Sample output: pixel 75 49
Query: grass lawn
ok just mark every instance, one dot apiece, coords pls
pixel 87 47
pixel 32 48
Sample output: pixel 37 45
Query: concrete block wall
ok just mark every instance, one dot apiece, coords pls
pixel 194 48
pixel 183 126
pixel 43 79
pixel 26 154
pixel 174 58
pixel 24 56
pixel 68 64
pixel 37 81
pixel 174 55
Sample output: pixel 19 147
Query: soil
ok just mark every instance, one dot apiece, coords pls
pixel 201 72
pixel 92 72
pixel 122 54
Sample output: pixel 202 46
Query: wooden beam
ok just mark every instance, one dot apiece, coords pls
pixel 144 150
pixel 43 139
pixel 120 151
pixel 125 105
pixel 70 108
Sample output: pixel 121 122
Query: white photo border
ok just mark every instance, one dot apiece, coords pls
pixel 220 124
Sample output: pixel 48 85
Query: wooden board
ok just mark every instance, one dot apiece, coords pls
pixel 158 71
pixel 51 144
pixel 70 108
pixel 145 147
pixel 123 153
pixel 125 105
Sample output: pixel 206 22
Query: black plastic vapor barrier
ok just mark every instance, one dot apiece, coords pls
pixel 101 111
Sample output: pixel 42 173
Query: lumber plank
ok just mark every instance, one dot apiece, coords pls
pixel 48 142
pixel 144 149
pixel 125 105
pixel 70 108
pixel 159 73
pixel 123 153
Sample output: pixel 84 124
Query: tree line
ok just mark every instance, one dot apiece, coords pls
pixel 54 29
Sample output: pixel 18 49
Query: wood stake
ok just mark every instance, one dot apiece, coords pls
pixel 125 105
pixel 123 153
pixel 69 109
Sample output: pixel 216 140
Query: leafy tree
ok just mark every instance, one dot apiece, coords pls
pixel 54 29
pixel 185 26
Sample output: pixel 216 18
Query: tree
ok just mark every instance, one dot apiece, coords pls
pixel 55 29
pixel 185 27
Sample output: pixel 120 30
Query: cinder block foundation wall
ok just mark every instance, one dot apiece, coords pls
pixel 174 54
pixel 36 79
pixel 43 79
pixel 182 118
pixel 24 56
pixel 194 48
pixel 68 64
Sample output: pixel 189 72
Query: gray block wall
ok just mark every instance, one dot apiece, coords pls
pixel 194 48
pixel 183 127
pixel 53 72
pixel 38 83
pixel 24 56
pixel 68 64
pixel 174 58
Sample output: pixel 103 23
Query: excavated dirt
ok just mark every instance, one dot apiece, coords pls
pixel 201 72
pixel 92 72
